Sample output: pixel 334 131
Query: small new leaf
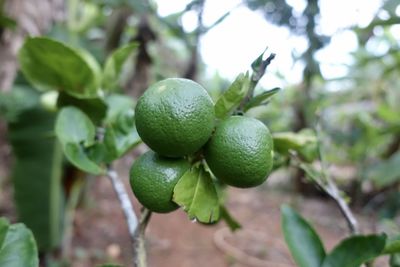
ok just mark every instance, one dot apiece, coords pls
pixel 233 96
pixel 196 193
pixel 114 64
pixel 261 99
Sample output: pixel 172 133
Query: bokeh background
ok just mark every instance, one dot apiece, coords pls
pixel 337 64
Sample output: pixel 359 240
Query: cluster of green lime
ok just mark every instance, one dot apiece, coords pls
pixel 175 118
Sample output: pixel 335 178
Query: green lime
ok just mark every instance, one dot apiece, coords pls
pixel 153 179
pixel 240 152
pixel 175 117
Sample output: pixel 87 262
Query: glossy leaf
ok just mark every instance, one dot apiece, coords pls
pixel 52 65
pixel 232 97
pixel 303 242
pixel 36 175
pixel 17 246
pixel 196 193
pixel 261 98
pixel 114 64
pixel 73 126
pixel 355 250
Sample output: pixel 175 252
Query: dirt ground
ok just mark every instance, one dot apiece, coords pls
pixel 174 241
pixel 100 234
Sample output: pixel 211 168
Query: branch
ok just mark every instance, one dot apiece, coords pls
pixel 126 205
pixel 332 190
pixel 139 245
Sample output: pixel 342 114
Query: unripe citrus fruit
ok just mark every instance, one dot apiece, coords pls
pixel 153 178
pixel 240 152
pixel 175 117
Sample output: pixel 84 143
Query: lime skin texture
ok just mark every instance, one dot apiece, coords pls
pixel 153 178
pixel 175 117
pixel 240 152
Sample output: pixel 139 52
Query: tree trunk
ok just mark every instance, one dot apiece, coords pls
pixel 33 17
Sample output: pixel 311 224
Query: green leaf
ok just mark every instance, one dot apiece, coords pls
pixel 386 172
pixel 7 22
pixel 94 108
pixel 355 250
pixel 261 98
pixel 196 193
pixel 51 65
pixel 37 175
pixel 73 126
pixel 303 242
pixel 394 260
pixel 303 142
pixel 232 223
pixel 78 156
pixel 113 66
pixel 76 132
pixel 232 97
pixel 19 99
pixel 17 247
pixel 392 245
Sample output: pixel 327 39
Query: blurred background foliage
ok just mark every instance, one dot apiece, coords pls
pixel 359 122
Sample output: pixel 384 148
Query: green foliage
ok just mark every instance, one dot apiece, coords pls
pixel 76 133
pixel 51 65
pixel 355 250
pixel 232 97
pixel 113 66
pixel 304 143
pixel 94 108
pixel 196 193
pixel 395 260
pixel 307 248
pixel 16 101
pixel 17 246
pixel 36 175
pixel 304 243
pixel 385 173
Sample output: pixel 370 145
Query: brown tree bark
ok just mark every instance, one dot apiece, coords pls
pixel 33 17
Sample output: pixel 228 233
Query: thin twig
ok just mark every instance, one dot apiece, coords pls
pixel 126 205
pixel 140 250
pixel 332 190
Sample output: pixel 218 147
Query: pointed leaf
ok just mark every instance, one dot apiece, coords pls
pixel 52 65
pixel 232 97
pixel 355 250
pixel 73 126
pixel 196 193
pixel 18 247
pixel 303 242
pixel 261 98
pixel 114 64
pixel 232 223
